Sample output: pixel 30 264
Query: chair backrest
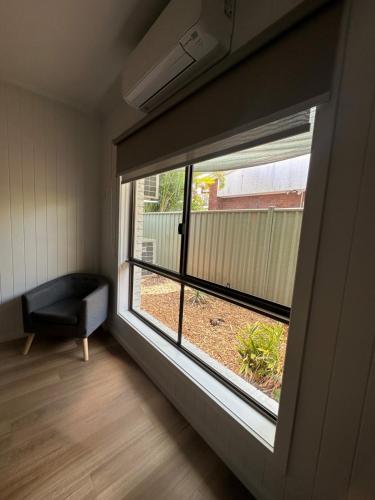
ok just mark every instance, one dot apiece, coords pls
pixel 72 285
pixel 48 293
pixel 81 285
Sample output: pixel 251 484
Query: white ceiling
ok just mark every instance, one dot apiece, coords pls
pixel 71 50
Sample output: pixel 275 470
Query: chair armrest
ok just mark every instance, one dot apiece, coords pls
pixel 94 309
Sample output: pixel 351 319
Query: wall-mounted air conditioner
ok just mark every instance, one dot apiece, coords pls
pixel 188 37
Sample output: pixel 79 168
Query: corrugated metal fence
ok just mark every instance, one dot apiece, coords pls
pixel 254 251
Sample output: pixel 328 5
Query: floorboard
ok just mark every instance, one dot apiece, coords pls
pixel 97 430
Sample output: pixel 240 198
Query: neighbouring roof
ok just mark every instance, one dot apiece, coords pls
pixel 280 176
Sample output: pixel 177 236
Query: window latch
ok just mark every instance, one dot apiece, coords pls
pixel 181 228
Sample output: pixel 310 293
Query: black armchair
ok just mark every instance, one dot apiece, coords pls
pixel 74 305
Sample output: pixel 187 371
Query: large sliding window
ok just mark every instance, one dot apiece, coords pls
pixel 213 253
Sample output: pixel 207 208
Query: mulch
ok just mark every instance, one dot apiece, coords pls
pixel 209 323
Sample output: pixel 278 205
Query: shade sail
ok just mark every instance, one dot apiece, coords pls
pixel 269 152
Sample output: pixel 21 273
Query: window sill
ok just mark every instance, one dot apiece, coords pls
pixel 249 418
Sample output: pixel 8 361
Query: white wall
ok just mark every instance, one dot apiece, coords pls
pixel 122 118
pixel 330 440
pixel 49 197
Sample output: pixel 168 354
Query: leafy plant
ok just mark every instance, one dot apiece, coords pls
pixel 276 393
pixel 260 346
pixel 202 181
pixel 197 202
pixel 171 190
pixel 198 298
pixel 207 179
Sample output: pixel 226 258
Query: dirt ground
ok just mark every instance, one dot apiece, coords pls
pixel 209 323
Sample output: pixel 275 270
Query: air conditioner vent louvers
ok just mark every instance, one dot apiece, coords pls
pixel 148 254
pixel 151 187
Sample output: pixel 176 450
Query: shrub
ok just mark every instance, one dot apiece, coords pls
pixel 260 346
pixel 198 298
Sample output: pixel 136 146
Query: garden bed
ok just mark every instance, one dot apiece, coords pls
pixel 211 324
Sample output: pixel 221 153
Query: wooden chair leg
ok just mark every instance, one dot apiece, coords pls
pixel 28 343
pixel 85 345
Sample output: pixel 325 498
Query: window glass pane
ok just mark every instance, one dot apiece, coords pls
pixel 246 216
pixel 158 211
pixel 245 221
pixel 247 348
pixel 157 299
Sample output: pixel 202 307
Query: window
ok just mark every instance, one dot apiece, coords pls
pixel 156 298
pixel 158 219
pixel 244 233
pixel 151 187
pixel 213 259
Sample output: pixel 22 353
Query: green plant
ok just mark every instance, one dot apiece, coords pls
pixel 276 394
pixel 198 298
pixel 260 346
pixel 197 202
pixel 201 185
pixel 171 192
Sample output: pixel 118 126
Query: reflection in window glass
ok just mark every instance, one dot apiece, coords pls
pixel 246 347
pixel 157 299
pixel 159 202
pixel 246 217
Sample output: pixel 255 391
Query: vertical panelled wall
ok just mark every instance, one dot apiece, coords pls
pixel 49 203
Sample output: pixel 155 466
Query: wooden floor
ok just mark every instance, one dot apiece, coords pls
pixel 97 430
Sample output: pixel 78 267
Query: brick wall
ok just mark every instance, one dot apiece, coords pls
pixel 278 200
pixel 138 240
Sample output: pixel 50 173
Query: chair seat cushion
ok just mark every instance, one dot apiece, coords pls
pixel 64 311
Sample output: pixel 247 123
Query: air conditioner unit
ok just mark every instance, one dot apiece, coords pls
pixel 187 38
pixel 151 188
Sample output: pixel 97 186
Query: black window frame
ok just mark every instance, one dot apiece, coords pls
pixel 259 305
